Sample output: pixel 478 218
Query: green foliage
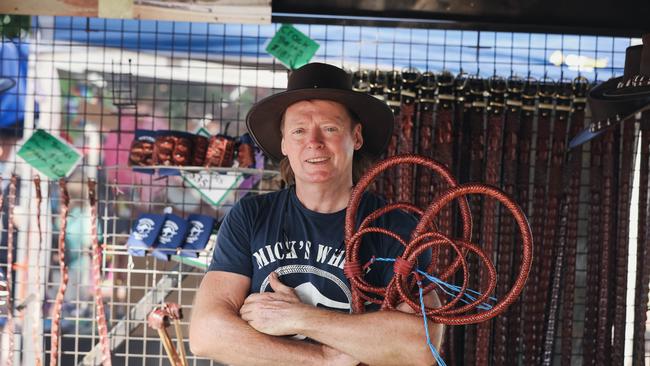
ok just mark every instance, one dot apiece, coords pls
pixel 14 26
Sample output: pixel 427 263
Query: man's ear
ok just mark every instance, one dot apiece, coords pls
pixel 357 136
pixel 282 146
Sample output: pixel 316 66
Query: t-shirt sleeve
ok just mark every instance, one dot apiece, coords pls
pixel 233 251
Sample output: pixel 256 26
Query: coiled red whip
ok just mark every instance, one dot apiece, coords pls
pixel 58 302
pixel 102 327
pixel 400 289
pixel 10 261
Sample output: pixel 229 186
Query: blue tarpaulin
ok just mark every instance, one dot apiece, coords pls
pixel 13 66
pixel 475 52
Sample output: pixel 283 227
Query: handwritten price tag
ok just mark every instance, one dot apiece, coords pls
pixel 50 155
pixel 292 47
pixel 212 186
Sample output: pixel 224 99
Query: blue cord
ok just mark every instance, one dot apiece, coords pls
pixel 449 289
pixel 434 352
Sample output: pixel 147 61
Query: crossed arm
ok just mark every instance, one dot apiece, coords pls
pixel 232 327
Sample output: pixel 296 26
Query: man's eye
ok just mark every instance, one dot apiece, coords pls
pixel 297 131
pixel 331 129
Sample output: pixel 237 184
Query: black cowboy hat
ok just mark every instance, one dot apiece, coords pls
pixel 620 98
pixel 320 81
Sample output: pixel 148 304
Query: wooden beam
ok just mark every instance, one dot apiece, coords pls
pixel 216 11
pixel 81 8
pixel 216 14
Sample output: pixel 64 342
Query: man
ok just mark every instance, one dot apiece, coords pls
pixel 291 241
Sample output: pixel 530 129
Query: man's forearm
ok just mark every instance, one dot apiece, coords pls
pixel 378 338
pixel 229 339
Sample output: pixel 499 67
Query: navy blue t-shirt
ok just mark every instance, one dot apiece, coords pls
pixel 276 232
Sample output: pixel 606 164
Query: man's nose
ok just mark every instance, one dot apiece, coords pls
pixel 315 138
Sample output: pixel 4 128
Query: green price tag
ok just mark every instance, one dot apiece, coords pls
pixel 50 155
pixel 292 47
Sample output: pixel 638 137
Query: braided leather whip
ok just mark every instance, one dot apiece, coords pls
pixel 11 224
pixel 400 289
pixel 36 327
pixel 102 327
pixel 507 237
pixel 575 164
pixel 643 248
pixel 58 302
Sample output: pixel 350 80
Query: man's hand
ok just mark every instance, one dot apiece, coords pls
pixel 273 313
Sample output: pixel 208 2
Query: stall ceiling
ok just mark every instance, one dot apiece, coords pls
pixel 627 17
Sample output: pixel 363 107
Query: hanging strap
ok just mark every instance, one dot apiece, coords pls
pixel 406 129
pixel 555 225
pixel 527 317
pixel 393 87
pixel 643 248
pixel 506 242
pixel 427 104
pixel 604 332
pixel 575 166
pixel 621 245
pixel 593 253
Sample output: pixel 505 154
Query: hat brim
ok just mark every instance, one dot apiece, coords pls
pixel 263 119
pixel 610 106
pixel 610 90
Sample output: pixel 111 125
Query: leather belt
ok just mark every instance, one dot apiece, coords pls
pixel 604 332
pixel 554 240
pixel 621 246
pixel 593 253
pixel 443 153
pixel 406 130
pixel 477 173
pixel 494 131
pixel 643 248
pixel 575 165
pixel 392 91
pixel 425 137
pixel 528 115
pixel 507 226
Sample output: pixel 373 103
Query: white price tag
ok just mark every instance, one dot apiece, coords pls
pixel 213 187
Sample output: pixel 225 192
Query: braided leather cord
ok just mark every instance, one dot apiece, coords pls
pixel 425 138
pixel 476 174
pixel 443 152
pixel 422 238
pixel 36 329
pixel 406 173
pixel 63 268
pixel 575 165
pixel 11 226
pixel 604 332
pixel 393 99
pixel 593 253
pixel 555 228
pixel 525 314
pixel 643 248
pixel 494 132
pixel 96 257
pixel 506 243
pixel 621 245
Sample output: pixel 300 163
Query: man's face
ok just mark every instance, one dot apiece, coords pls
pixel 319 140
